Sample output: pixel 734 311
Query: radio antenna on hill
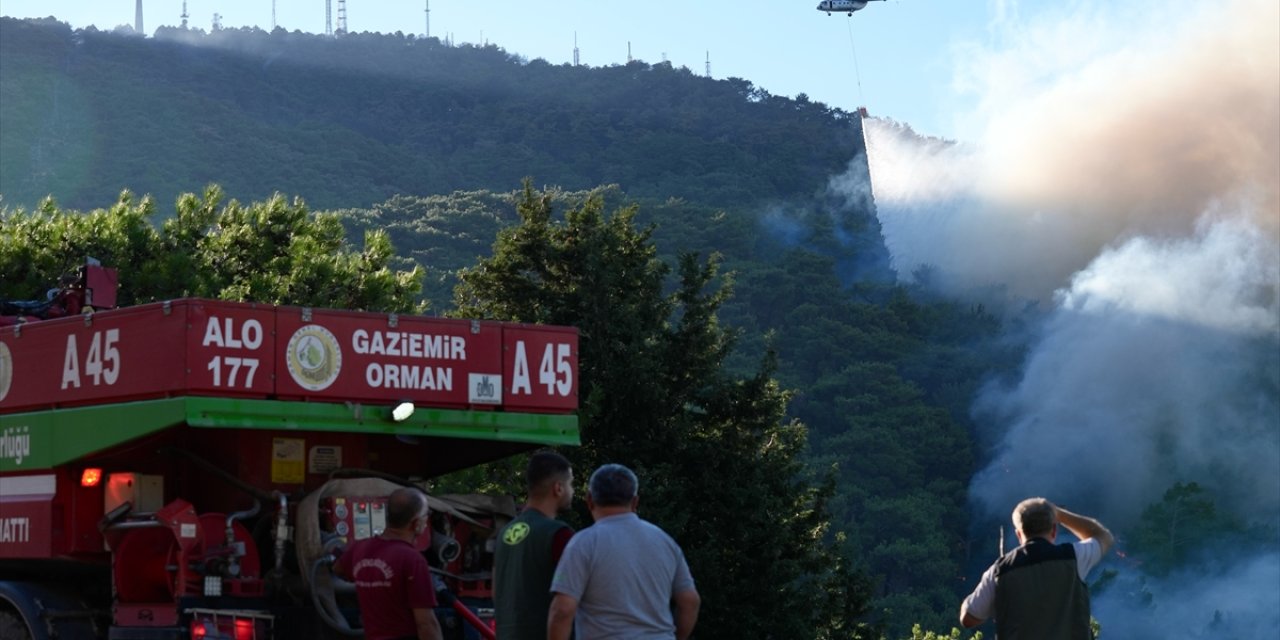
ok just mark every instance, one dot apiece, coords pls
pixel 708 63
pixel 273 14
pixel 328 17
pixel 628 52
pixel 184 14
pixel 217 22
pixel 428 31
pixel 342 16
pixel 137 18
pixel 575 47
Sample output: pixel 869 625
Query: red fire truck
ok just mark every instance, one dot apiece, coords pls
pixel 186 469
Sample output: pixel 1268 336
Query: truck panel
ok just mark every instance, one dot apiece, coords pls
pixel 226 349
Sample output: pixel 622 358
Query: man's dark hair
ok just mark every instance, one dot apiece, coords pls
pixel 403 506
pixel 545 467
pixel 613 485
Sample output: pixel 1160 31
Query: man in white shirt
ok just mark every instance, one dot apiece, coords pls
pixel 1037 591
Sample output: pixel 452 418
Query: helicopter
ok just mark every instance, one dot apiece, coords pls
pixel 848 6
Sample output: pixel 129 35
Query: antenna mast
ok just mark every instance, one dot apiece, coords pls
pixel 184 14
pixel 328 17
pixel 575 46
pixel 628 52
pixel 708 63
pixel 342 16
pixel 273 14
pixel 137 19
pixel 428 32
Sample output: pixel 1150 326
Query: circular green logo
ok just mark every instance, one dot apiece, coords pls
pixel 515 533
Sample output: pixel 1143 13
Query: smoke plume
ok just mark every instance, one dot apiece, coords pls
pixel 1088 134
pixel 1126 173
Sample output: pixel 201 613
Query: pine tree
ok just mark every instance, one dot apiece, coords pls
pixel 719 466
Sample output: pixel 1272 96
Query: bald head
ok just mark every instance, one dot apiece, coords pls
pixel 403 505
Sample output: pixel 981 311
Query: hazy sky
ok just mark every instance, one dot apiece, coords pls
pixel 906 50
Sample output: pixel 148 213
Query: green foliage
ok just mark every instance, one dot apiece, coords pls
pixel 883 376
pixel 719 464
pixel 1185 521
pixel 919 634
pixel 273 252
pixel 351 121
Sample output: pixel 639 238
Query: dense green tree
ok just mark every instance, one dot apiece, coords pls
pixel 719 463
pixel 1181 525
pixel 274 251
pixel 882 374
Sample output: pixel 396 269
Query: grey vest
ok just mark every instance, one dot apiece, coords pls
pixel 1039 594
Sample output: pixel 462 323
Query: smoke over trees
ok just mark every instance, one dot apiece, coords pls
pixel 1131 185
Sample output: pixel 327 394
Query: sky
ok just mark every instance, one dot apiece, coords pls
pixel 897 57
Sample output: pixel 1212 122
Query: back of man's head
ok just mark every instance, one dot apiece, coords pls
pixel 1035 517
pixel 545 468
pixel 613 485
pixel 403 506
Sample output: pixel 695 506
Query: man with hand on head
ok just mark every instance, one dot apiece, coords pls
pixel 529 549
pixel 1037 591
pixel 393 581
pixel 622 577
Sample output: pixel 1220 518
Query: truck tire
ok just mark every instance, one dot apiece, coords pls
pixel 12 627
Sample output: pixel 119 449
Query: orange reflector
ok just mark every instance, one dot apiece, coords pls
pixel 91 477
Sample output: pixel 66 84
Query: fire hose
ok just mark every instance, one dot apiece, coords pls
pixel 462 610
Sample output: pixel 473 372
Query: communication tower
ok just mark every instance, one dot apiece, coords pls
pixel 184 14
pixel 328 17
pixel 342 16
pixel 575 47
pixel 428 12
pixel 137 18
pixel 273 15
pixel 217 22
pixel 628 52
pixel 708 63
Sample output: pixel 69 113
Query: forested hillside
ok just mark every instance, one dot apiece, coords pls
pixel 362 118
pixel 795 310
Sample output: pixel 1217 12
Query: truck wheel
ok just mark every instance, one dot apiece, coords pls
pixel 12 627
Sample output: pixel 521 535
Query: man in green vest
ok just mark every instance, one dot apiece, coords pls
pixel 1037 591
pixel 529 549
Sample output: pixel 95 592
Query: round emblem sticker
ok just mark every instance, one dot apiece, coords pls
pixel 515 533
pixel 6 370
pixel 314 357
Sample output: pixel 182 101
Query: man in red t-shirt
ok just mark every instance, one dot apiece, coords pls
pixel 393 581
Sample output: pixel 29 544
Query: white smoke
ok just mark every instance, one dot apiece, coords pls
pixel 1089 133
pixel 1221 605
pixel 1127 171
pixel 1160 364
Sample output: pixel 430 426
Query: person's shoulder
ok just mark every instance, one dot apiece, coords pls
pixel 1088 545
pixel 1089 549
pixel 658 532
pixel 358 547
